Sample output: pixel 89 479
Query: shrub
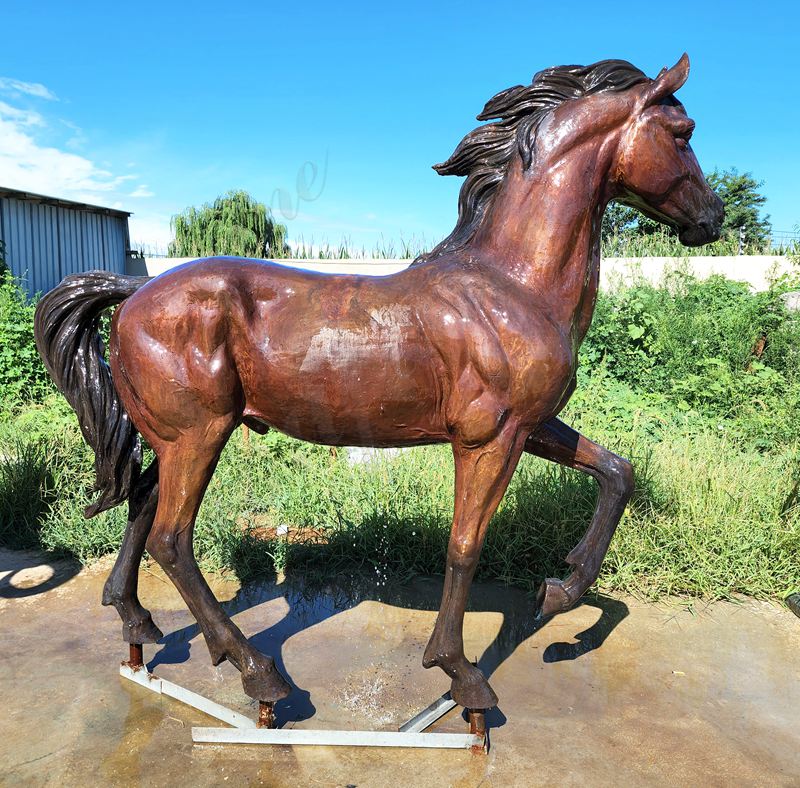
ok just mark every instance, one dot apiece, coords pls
pixel 22 375
pixel 711 345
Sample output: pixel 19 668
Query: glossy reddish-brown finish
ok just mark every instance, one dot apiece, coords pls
pixel 476 347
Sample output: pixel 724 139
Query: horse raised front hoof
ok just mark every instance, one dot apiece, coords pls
pixel 472 691
pixel 552 599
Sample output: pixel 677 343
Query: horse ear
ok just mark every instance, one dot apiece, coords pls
pixel 668 81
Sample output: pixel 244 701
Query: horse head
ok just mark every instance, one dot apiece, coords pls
pixel 584 134
pixel 655 169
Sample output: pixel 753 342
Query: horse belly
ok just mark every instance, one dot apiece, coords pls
pixel 364 386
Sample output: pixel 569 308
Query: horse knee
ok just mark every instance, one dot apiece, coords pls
pixel 162 545
pixel 619 477
pixel 113 590
pixel 463 553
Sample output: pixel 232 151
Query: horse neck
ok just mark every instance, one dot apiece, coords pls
pixel 543 229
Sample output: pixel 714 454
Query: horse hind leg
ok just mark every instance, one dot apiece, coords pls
pixel 186 466
pixel 121 588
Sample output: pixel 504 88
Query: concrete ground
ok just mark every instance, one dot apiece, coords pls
pixel 613 693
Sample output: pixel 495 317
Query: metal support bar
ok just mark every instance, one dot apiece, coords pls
pixel 136 659
pixel 245 731
pixel 164 687
pixel 477 727
pixel 453 741
pixel 428 716
pixel 266 714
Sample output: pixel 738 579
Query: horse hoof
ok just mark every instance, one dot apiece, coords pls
pixel 473 691
pixel 264 683
pixel 552 599
pixel 144 631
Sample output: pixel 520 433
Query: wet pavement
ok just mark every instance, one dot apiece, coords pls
pixel 615 692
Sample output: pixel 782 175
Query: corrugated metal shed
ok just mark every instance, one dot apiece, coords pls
pixel 47 238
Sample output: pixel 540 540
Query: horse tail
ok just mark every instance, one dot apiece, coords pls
pixel 68 338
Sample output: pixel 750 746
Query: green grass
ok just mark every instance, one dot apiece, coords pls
pixel 27 490
pixel 707 520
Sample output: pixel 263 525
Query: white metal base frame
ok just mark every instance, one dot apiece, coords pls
pixel 451 741
pixel 245 731
pixel 428 716
pixel 163 687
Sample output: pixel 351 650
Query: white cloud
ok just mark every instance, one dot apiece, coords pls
pixel 30 165
pixel 142 191
pixel 23 117
pixel 150 233
pixel 17 87
pixel 27 165
pixel 78 138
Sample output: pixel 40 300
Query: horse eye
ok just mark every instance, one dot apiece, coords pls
pixel 683 133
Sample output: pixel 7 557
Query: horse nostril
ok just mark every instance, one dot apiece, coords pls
pixel 713 228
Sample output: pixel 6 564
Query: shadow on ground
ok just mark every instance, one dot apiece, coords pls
pixel 311 604
pixel 26 573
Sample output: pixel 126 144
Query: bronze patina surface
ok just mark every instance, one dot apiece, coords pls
pixel 475 344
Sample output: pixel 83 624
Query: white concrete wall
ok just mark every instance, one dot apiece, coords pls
pixel 756 270
pixel 153 266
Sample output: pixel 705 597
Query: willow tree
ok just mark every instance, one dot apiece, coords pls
pixel 233 224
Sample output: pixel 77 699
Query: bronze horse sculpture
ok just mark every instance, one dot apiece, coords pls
pixel 475 344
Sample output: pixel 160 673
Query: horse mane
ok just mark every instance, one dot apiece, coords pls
pixel 484 154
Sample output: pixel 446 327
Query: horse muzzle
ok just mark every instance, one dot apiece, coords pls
pixel 707 229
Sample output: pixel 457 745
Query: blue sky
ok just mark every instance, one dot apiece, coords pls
pixel 152 107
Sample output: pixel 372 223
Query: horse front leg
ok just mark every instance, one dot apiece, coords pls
pixel 121 588
pixel 482 476
pixel 557 442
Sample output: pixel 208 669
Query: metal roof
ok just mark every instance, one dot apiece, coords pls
pixel 43 199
